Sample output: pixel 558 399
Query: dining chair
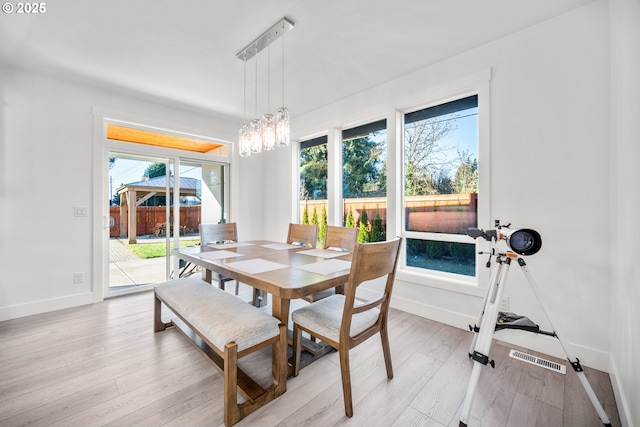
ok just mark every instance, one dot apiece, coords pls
pixel 306 235
pixel 219 234
pixel 344 322
pixel 335 238
pixel 341 238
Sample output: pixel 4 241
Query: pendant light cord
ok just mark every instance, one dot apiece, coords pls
pixel 256 80
pixel 244 94
pixel 283 64
pixel 269 76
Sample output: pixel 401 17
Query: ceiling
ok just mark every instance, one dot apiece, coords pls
pixel 184 53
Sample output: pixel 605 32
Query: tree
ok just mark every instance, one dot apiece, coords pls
pixel 360 164
pixel 156 169
pixel 466 179
pixel 313 172
pixel 305 215
pixel 425 157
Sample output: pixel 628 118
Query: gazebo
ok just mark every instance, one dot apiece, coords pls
pixel 136 193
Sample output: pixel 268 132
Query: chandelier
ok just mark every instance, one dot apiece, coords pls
pixel 264 134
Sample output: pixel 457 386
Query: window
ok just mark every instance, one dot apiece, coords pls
pixel 364 180
pixel 440 177
pixel 313 180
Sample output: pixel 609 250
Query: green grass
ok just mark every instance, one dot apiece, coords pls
pixel 154 250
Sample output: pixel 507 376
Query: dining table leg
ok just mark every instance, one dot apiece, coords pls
pixel 280 309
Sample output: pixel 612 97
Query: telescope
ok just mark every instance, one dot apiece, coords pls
pixel 523 241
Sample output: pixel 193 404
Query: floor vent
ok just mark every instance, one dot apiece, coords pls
pixel 547 364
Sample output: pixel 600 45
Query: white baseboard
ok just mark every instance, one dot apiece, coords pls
pixel 44 306
pixel 588 356
pixel 622 401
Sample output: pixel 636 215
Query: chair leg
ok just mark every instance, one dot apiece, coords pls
pixel 346 381
pixel 297 349
pixel 386 350
pixel 237 287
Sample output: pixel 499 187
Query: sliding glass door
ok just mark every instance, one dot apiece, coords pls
pixel 154 204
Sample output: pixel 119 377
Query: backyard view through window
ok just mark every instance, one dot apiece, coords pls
pixel 364 180
pixel 313 182
pixel 441 186
pixel 439 177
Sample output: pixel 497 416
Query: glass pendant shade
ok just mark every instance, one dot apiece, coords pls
pixel 282 127
pixel 255 133
pixel 268 132
pixel 271 131
pixel 244 141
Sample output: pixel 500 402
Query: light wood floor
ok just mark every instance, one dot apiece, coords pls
pixel 102 365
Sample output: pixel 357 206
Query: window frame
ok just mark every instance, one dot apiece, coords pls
pixel 322 139
pixel 434 236
pixel 354 131
pixel 435 278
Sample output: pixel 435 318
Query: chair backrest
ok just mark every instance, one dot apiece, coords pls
pixel 303 234
pixel 218 233
pixel 340 238
pixel 369 261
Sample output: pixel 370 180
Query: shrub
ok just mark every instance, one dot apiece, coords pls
pixel 435 249
pixel 323 225
pixel 350 222
pixel 377 232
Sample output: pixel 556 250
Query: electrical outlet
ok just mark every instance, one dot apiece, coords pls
pixel 504 303
pixel 80 211
pixel 78 277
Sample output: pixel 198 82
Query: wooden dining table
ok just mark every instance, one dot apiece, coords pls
pixel 284 271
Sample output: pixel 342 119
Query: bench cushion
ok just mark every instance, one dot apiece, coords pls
pixel 220 317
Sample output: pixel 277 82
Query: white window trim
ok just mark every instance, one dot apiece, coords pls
pixel 433 278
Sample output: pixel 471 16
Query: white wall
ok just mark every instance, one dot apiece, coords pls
pixel 625 129
pixel 550 171
pixel 46 162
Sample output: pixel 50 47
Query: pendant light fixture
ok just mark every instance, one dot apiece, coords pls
pixel 270 131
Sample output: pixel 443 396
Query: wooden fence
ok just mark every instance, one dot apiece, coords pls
pixel 444 213
pixel 450 213
pixel 150 218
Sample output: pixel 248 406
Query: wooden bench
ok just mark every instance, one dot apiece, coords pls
pixel 228 329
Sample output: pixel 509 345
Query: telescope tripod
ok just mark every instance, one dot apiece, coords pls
pixel 488 321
